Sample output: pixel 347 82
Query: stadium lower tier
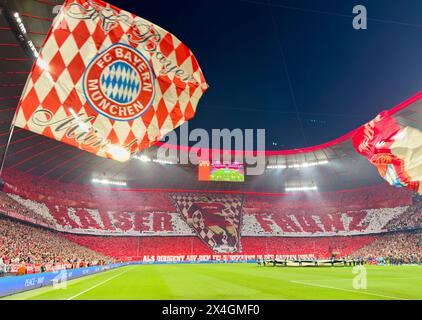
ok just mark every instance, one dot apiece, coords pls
pixel 136 248
pixel 24 244
pixel 28 247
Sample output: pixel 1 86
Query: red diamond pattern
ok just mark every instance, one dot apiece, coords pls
pixel 163 114
pixel 31 103
pixel 166 45
pixel 75 67
pixel 61 36
pixel 56 66
pixel 81 34
pixel 176 114
pixel 182 53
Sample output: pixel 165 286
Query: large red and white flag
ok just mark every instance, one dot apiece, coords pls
pixel 394 149
pixel 216 218
pixel 109 82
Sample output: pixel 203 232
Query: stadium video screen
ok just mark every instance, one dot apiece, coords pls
pixel 218 171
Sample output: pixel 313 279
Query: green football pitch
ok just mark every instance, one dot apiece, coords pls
pixel 237 282
pixel 227 175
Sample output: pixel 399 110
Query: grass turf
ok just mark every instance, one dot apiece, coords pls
pixel 236 282
pixel 227 175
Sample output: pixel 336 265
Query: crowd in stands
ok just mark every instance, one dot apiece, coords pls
pixel 321 247
pixel 25 244
pixel 379 196
pixel 10 207
pixel 107 222
pixel 145 215
pixel 85 196
pixel 417 198
pixel 394 248
pixel 135 247
pixel 75 195
pixel 99 214
pixel 316 221
pixel 410 219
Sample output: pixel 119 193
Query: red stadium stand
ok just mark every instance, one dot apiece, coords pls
pixel 33 246
pixel 320 247
pixel 137 247
pixel 132 225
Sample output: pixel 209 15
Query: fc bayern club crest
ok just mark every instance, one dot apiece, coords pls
pixel 119 83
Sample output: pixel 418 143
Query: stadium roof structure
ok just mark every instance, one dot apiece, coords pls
pixel 339 167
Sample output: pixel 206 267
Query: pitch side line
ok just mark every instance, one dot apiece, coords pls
pixel 98 284
pixel 335 280
pixel 348 290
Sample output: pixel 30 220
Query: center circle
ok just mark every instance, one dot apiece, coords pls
pixel 121 82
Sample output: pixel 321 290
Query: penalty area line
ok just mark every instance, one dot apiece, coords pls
pixel 349 290
pixel 98 284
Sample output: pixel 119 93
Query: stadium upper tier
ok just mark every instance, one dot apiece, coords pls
pixel 85 210
pixel 341 167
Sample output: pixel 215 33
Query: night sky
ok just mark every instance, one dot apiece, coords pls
pixel 295 68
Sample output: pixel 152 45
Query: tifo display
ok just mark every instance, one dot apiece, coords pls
pixel 175 227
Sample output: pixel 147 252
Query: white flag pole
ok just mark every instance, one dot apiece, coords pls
pixel 3 157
